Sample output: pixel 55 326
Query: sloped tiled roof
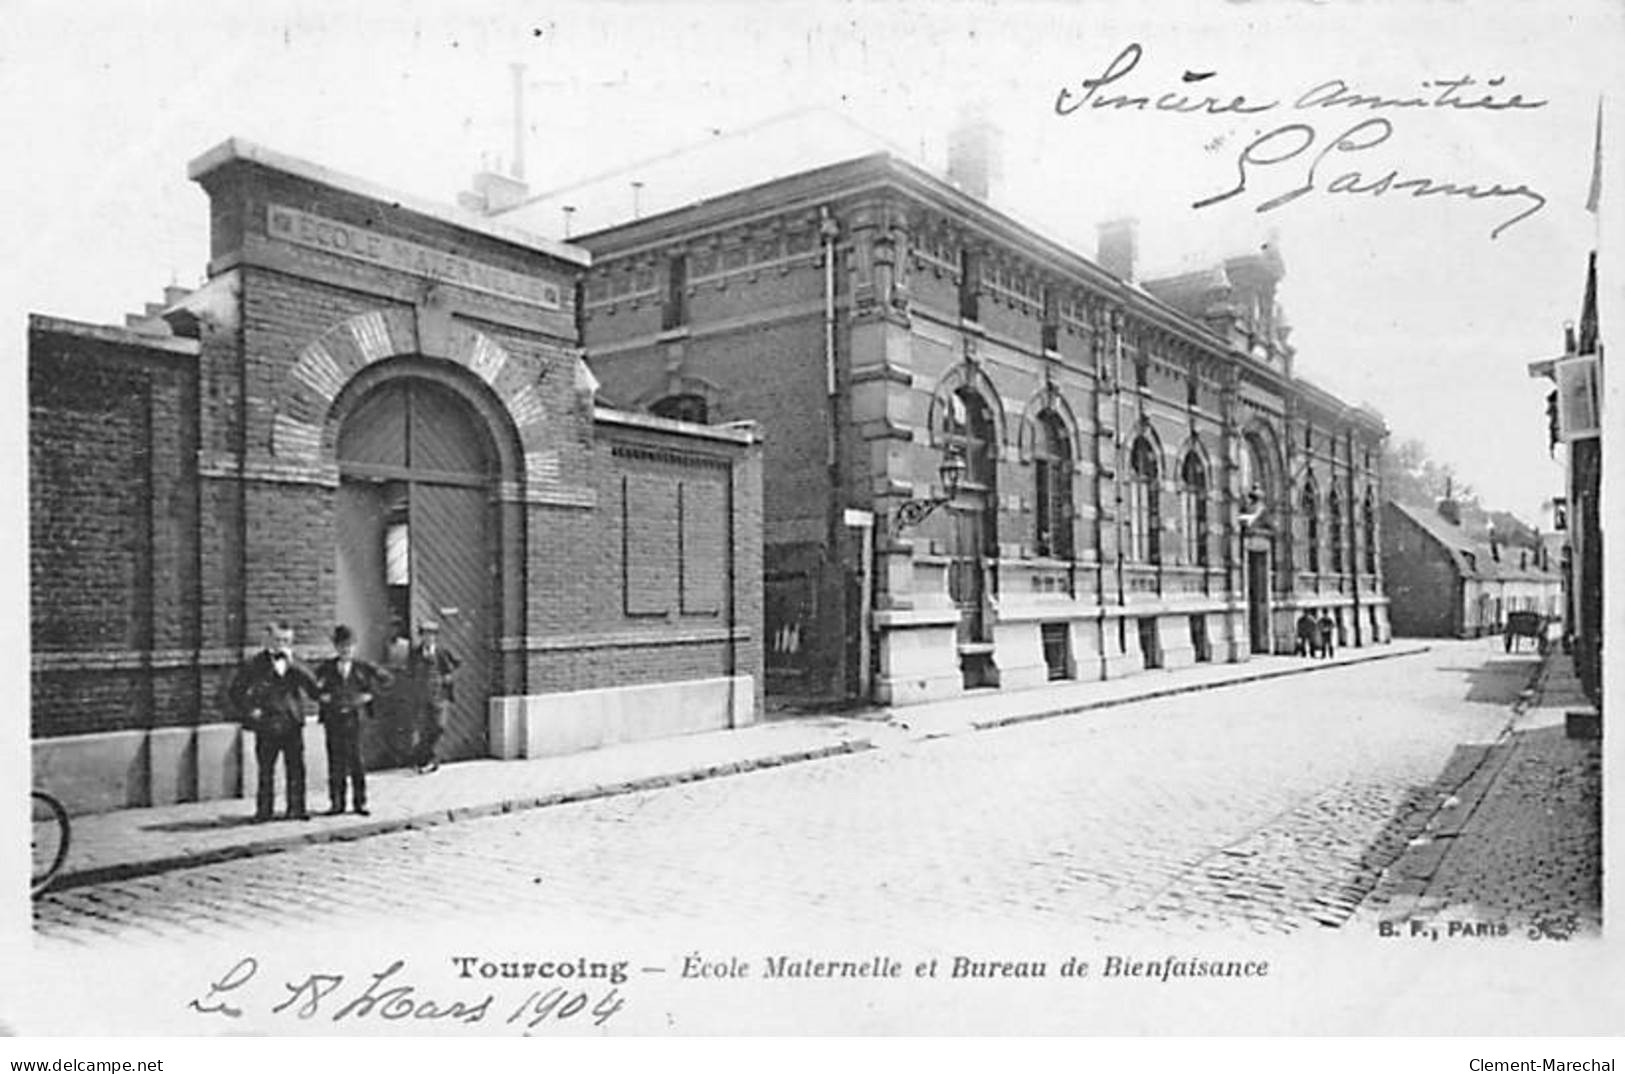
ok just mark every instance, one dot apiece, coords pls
pixel 1470 553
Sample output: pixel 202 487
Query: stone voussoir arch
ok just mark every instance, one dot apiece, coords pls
pixel 1273 479
pixel 677 383
pixel 1195 445
pixel 966 375
pixel 1146 430
pixel 1047 399
pixel 304 430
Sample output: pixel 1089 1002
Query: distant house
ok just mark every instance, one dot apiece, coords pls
pixel 1446 581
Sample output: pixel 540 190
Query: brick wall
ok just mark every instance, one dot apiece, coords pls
pixel 638 589
pixel 112 532
pixel 757 338
pixel 1423 584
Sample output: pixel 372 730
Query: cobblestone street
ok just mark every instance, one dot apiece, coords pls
pixel 1271 807
pixel 1518 845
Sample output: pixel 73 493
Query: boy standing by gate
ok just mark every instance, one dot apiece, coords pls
pixel 347 687
pixel 431 669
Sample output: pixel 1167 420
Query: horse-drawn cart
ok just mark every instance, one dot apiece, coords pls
pixel 1522 625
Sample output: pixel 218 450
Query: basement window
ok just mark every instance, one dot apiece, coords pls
pixel 1057 650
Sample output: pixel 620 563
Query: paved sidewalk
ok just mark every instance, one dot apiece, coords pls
pixel 139 842
pixel 1516 841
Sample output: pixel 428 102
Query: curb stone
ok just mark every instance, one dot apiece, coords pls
pixel 434 818
pixel 1175 691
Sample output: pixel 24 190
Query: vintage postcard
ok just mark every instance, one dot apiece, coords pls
pixel 1012 518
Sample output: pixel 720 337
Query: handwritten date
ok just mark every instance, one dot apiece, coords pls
pixel 388 996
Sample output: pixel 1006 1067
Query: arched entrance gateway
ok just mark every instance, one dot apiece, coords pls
pixel 415 540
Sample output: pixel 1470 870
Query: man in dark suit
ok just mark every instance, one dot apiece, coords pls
pixel 1308 643
pixel 430 668
pixel 346 689
pixel 1328 634
pixel 266 696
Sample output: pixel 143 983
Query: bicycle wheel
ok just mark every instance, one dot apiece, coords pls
pixel 49 839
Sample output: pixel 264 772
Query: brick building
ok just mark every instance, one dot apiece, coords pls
pixel 1147 483
pixel 1447 582
pixel 374 412
pixel 1575 414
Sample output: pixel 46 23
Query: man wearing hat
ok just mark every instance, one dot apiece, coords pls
pixel 265 695
pixel 430 668
pixel 347 686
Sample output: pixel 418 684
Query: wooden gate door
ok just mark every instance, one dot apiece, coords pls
pixel 416 542
pixel 1258 601
pixel 451 564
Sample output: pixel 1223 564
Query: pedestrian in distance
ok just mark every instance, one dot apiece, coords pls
pixel 347 687
pixel 430 668
pixel 1328 635
pixel 266 695
pixel 1308 643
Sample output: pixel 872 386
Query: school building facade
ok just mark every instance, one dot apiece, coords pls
pixel 991 462
pixel 375 412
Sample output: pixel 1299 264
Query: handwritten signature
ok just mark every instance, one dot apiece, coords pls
pixel 389 997
pixel 1292 141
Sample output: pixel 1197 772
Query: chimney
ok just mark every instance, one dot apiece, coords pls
pixel 973 152
pixel 1116 245
pixel 1449 509
pixel 493 192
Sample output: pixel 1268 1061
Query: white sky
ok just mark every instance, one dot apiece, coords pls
pixel 1403 303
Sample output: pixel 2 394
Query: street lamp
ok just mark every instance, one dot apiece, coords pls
pixel 1253 509
pixel 911 513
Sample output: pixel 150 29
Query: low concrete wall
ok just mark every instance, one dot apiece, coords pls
pixel 94 773
pixel 135 769
pixel 545 725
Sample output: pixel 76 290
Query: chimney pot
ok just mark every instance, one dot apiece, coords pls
pixel 973 152
pixel 1117 245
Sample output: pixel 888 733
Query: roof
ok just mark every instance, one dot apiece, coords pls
pixel 104 333
pixel 1471 554
pixel 815 186
pixel 239 149
pixel 776 147
pixel 804 158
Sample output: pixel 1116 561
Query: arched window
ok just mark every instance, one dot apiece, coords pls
pixel 682 408
pixel 1052 480
pixel 1193 509
pixel 1334 528
pixel 1370 528
pixel 1311 521
pixel 970 426
pixel 1257 473
pixel 1144 508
